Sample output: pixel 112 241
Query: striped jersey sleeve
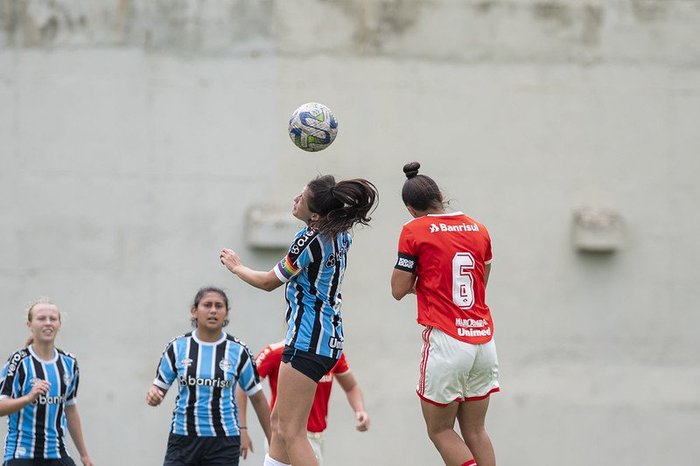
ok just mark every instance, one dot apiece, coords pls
pixel 298 257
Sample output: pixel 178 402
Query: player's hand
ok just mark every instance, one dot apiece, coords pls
pixel 155 396
pixel 39 387
pixel 230 259
pixel 362 421
pixel 86 461
pixel 246 443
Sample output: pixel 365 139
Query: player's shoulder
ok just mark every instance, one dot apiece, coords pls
pixel 303 239
pixel 271 350
pixel 180 338
pixel 18 355
pixel 236 342
pixel 15 361
pixel 66 354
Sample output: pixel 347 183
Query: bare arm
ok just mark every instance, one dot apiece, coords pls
pixel 354 395
pixel 262 409
pixel 487 272
pixel 267 281
pixel 242 403
pixel 76 433
pixel 402 283
pixel 12 405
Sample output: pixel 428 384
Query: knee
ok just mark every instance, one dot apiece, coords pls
pixel 474 433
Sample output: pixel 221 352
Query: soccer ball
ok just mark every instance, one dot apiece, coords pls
pixel 313 127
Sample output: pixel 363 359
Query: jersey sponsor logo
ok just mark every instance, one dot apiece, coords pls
pixel 470 332
pixel 301 241
pixel 225 365
pixel 49 400
pixel 443 227
pixel 16 358
pixel 188 380
pixel 470 323
pixel 405 263
pixel 336 256
pixel 335 343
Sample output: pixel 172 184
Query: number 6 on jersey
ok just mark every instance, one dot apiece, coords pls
pixel 462 280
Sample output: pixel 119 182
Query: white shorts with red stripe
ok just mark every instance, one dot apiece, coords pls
pixel 452 370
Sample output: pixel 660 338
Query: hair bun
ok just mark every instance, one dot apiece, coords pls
pixel 411 169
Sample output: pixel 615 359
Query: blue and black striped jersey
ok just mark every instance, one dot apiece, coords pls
pixel 38 429
pixel 313 270
pixel 207 374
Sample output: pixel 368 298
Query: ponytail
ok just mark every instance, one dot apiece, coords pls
pixel 341 205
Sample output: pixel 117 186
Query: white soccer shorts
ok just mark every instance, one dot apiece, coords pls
pixel 452 370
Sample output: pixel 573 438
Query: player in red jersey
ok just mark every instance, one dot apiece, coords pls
pixel 445 259
pixel 268 363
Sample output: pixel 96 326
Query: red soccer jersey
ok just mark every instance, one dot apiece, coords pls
pixel 448 253
pixel 268 362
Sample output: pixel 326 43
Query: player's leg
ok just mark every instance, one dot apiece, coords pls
pixel 471 417
pixel 440 421
pixel 295 394
pixel 316 441
pixel 483 380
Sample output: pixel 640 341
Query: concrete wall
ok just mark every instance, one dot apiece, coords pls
pixel 136 135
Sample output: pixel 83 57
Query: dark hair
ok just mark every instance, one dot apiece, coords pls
pixel 420 191
pixel 340 205
pixel 200 294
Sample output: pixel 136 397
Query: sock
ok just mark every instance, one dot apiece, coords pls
pixel 469 463
pixel 271 462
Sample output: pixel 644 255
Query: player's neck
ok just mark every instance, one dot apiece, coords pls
pixel 208 336
pixel 44 350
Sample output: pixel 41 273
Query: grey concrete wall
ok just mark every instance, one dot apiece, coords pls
pixel 135 136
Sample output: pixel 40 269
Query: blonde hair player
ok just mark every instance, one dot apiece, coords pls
pixel 38 393
pixel 445 259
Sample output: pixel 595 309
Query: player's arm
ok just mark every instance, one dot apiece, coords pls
pixel 354 395
pixel 76 432
pixel 402 283
pixel 262 409
pixel 267 281
pixel 9 405
pixel 487 272
pixel 242 403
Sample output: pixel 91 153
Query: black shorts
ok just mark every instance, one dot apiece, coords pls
pixel 310 364
pixel 67 461
pixel 185 450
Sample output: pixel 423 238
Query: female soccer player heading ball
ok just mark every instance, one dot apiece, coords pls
pixel 313 270
pixel 445 259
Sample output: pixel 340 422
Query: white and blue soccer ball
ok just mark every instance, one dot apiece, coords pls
pixel 313 127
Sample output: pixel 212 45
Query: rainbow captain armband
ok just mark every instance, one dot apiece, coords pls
pixel 285 269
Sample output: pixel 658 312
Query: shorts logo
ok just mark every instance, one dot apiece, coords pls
pixel 225 365
pixel 335 343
